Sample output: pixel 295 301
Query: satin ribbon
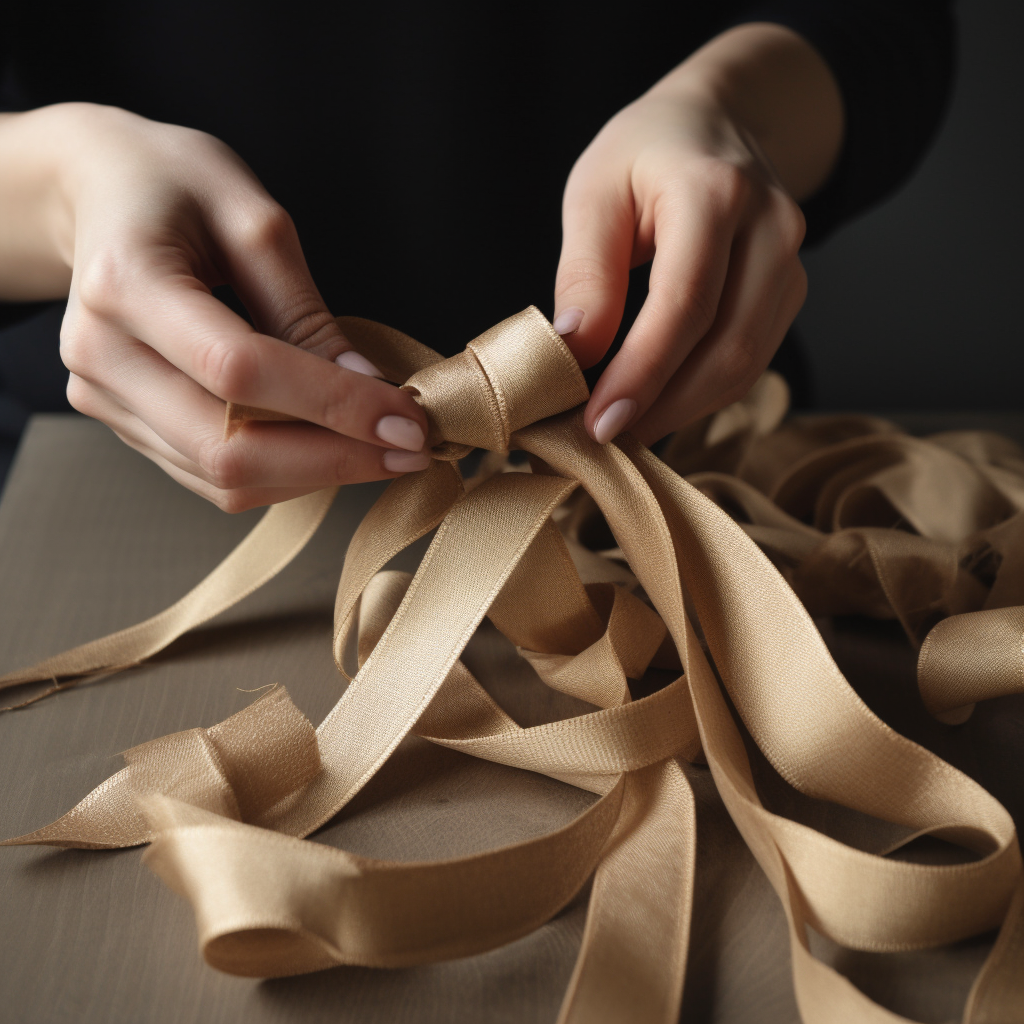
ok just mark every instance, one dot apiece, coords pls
pixel 225 808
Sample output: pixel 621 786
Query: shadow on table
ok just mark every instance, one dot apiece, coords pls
pixel 521 983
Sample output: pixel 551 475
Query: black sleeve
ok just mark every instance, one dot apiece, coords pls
pixel 12 312
pixel 894 61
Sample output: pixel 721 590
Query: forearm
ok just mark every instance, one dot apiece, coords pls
pixel 777 87
pixel 37 230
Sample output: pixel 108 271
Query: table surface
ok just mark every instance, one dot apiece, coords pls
pixel 94 538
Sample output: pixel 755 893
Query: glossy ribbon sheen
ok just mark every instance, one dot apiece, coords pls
pixel 225 808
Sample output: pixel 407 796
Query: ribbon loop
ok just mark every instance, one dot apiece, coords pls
pixel 225 806
pixel 512 375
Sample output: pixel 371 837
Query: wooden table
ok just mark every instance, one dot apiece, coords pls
pixel 94 538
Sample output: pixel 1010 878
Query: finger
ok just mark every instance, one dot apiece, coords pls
pixel 593 269
pixel 240 500
pixel 694 229
pixel 176 314
pixel 184 424
pixel 139 436
pixel 92 401
pixel 760 301
pixel 264 263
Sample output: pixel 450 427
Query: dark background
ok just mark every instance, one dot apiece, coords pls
pixel 917 305
pixel 912 307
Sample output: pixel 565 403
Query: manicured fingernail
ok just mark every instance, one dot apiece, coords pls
pixel 352 360
pixel 405 462
pixel 400 432
pixel 568 321
pixel 613 420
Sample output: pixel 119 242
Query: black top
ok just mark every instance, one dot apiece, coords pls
pixel 422 149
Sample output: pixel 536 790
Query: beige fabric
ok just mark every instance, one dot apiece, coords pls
pixel 225 808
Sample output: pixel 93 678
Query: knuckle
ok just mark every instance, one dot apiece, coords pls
pixel 692 305
pixel 792 224
pixel 720 186
pixel 728 184
pixel 74 347
pixel 81 396
pixel 185 136
pixel 84 342
pixel 233 502
pixel 265 225
pixel 223 466
pixel 582 274
pixel 738 366
pixel 229 369
pixel 586 178
pixel 103 282
pixel 307 322
pixel 335 412
pixel 654 364
pixel 346 464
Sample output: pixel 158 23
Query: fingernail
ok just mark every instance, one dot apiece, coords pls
pixel 405 462
pixel 352 360
pixel 568 321
pixel 613 420
pixel 400 432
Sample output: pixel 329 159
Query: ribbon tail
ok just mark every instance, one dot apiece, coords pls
pixel 239 769
pixel 272 544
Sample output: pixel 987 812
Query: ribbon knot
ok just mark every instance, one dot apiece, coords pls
pixel 226 807
pixel 512 375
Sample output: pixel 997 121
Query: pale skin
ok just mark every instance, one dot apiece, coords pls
pixel 135 222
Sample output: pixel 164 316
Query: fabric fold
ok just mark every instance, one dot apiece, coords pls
pixel 598 564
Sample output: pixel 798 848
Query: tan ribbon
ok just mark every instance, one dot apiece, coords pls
pixel 225 808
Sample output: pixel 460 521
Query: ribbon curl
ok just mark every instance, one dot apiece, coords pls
pixel 225 809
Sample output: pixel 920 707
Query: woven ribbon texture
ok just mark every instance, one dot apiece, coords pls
pixel 714 577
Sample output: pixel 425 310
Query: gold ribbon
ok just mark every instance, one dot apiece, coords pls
pixel 225 808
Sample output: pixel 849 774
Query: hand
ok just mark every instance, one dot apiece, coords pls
pixel 680 176
pixel 150 217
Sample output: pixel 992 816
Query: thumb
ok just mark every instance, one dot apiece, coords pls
pixel 593 269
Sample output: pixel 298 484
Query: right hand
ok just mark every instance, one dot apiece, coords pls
pixel 150 217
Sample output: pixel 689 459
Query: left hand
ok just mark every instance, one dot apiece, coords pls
pixel 676 177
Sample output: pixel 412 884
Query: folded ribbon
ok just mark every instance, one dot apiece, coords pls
pixel 225 808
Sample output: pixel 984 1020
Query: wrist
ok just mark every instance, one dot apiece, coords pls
pixel 48 157
pixel 37 154
pixel 773 86
pixel 82 138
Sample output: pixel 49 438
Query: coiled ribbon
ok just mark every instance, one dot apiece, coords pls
pixel 225 809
